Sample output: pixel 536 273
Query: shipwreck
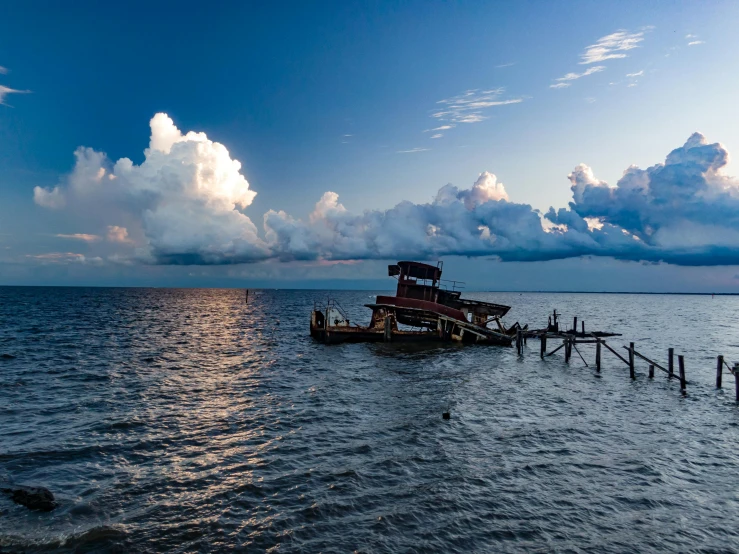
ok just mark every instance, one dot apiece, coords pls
pixel 424 309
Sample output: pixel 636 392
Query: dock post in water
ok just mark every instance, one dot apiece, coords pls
pixel 574 325
pixel 735 371
pixel 246 300
pixel 543 338
pixel 568 351
pixel 719 370
pixel 583 328
pixel 519 342
pixel 651 371
pixel 670 362
pixel 631 361
pixel 388 329
pixel 597 355
pixel 681 365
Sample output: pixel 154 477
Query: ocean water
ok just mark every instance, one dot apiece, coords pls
pixel 187 421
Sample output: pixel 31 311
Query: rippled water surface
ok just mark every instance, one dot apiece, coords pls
pixel 185 420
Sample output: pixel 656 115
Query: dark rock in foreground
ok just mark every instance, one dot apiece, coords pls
pixel 33 498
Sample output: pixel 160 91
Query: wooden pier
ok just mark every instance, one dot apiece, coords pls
pixel 571 338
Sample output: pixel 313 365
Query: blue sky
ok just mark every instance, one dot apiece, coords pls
pixel 324 97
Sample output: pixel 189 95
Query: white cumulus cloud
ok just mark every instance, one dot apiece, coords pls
pixel 661 205
pixel 118 234
pixel 48 198
pixel 186 197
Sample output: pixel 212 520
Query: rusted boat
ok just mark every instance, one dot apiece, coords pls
pixel 424 309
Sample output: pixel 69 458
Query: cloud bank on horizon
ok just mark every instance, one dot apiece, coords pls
pixel 184 205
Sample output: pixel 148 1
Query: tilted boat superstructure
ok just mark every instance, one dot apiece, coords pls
pixel 422 310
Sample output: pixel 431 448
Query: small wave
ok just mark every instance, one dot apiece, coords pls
pixel 121 425
pixel 102 538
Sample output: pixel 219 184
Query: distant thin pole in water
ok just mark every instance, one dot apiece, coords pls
pixel 246 300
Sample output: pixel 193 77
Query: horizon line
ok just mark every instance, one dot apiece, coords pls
pixel 683 293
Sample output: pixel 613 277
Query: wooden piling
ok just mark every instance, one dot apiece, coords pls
pixel 719 370
pixel 583 328
pixel 519 342
pixel 568 350
pixel 388 329
pixel 681 365
pixel 670 362
pixel 543 338
pixel 597 355
pixel 651 371
pixel 574 325
pixel 632 374
pixel 735 371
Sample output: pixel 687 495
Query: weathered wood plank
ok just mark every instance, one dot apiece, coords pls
pixel 578 353
pixel 553 351
pixel 616 353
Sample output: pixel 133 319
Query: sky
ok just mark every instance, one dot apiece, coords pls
pixel 529 145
